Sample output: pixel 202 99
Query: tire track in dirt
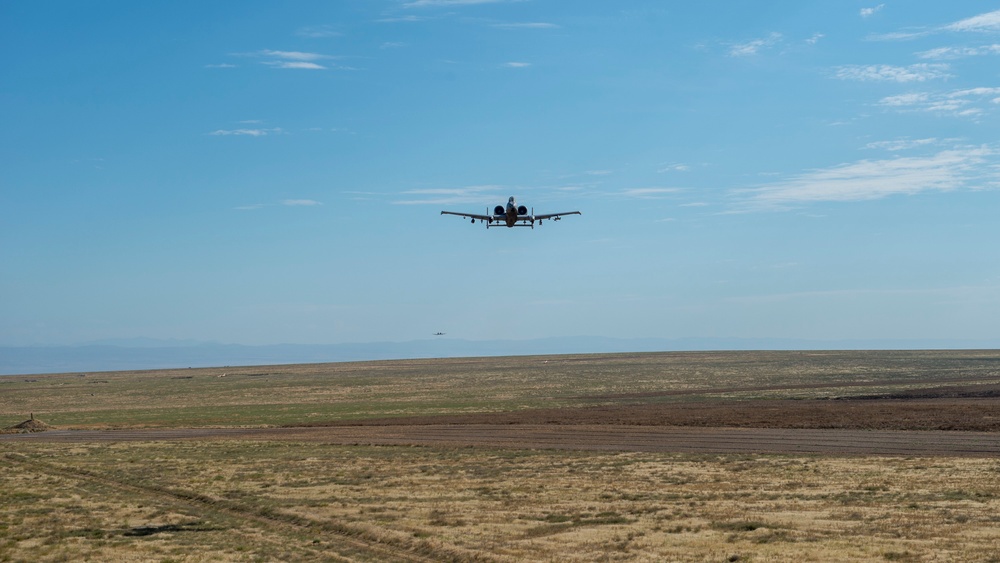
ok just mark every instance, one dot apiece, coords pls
pixel 353 542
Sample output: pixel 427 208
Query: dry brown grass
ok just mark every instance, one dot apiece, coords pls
pixel 293 394
pixel 291 501
pixel 197 500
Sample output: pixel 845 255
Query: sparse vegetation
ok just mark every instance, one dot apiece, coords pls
pixel 297 394
pixel 232 500
pixel 235 501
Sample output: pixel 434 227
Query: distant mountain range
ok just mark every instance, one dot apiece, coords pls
pixel 142 353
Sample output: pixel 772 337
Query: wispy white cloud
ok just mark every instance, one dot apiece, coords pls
pixel 900 144
pixel 515 64
pixel 899 35
pixel 949 53
pixel 909 99
pixel 392 45
pixel 318 31
pixel 293 59
pixel 989 21
pixel 886 73
pixel 526 25
pixel 815 38
pixel 947 170
pixel 247 132
pixel 753 47
pixel 960 103
pixel 485 194
pixel 674 168
pixel 222 65
pixel 869 12
pixel 295 64
pixel 295 55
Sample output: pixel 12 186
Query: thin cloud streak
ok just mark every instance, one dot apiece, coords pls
pixel 246 132
pixel 869 12
pixel 295 65
pixel 815 38
pixel 301 60
pixel 318 31
pixel 989 21
pixel 959 103
pixel 886 73
pixel 983 23
pixel 951 53
pixel 300 202
pixel 900 144
pixel 875 179
pixel 485 194
pixel 294 55
pixel 753 47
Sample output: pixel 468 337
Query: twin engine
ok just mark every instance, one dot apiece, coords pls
pixel 500 210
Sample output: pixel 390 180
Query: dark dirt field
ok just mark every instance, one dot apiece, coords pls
pixel 952 420
pixel 955 407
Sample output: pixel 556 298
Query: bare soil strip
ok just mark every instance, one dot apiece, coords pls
pixel 966 414
pixel 951 382
pixel 584 437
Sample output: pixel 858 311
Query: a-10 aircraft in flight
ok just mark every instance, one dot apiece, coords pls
pixel 513 215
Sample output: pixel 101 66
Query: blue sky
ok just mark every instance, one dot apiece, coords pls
pixel 263 172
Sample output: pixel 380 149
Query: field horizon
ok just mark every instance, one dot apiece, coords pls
pixel 513 458
pixel 132 354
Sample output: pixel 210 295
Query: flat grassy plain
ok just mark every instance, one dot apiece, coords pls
pixel 296 394
pixel 234 500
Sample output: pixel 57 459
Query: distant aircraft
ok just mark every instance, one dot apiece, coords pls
pixel 513 215
pixel 438 334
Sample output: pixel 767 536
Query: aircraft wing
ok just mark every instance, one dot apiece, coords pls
pixel 469 215
pixel 555 216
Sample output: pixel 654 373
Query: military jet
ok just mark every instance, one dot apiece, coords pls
pixel 513 215
pixel 438 334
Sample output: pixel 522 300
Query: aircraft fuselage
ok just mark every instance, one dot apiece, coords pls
pixel 510 215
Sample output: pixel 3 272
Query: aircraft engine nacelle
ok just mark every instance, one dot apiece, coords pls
pixel 498 210
pixel 522 210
